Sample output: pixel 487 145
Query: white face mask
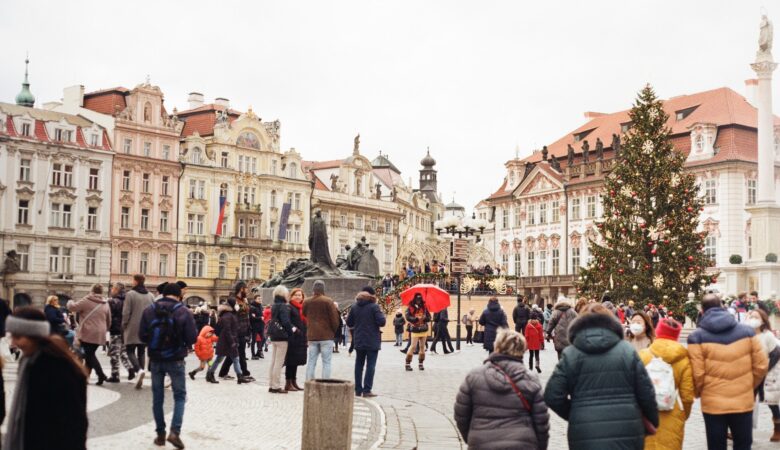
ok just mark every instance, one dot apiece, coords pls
pixel 753 323
pixel 636 328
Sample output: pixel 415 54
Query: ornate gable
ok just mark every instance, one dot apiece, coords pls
pixel 537 182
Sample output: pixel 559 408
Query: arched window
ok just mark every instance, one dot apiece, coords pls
pixel 222 266
pixel 195 262
pixel 273 199
pixel 248 267
pixel 272 267
pixel 223 190
pixel 699 143
pixel 148 112
pixel 293 170
pixel 197 156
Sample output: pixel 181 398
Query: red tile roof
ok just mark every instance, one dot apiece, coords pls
pixel 107 101
pixel 40 131
pixel 203 119
pixel 10 129
pixel 318 184
pixel 501 192
pixel 319 165
pixel 41 117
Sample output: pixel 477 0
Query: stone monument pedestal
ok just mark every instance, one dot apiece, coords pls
pixel 341 289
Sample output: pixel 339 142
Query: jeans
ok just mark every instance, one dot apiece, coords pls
pixel 277 361
pixel 175 371
pixel 399 339
pixel 741 426
pixel 367 358
pixel 234 361
pixel 117 352
pixel 136 353
pixel 317 348
pixel 91 360
pixel 242 341
pixel 469 334
pixel 256 348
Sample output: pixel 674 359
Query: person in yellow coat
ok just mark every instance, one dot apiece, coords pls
pixel 671 427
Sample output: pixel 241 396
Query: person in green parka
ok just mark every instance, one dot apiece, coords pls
pixel 600 386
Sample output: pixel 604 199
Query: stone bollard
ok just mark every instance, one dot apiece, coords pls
pixel 327 415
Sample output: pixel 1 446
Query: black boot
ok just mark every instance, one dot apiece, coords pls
pixel 210 378
pixel 192 375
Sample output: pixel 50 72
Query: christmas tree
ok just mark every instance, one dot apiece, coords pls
pixel 649 251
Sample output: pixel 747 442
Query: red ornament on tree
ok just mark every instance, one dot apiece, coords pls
pixel 690 209
pixel 690 258
pixel 620 271
pixel 653 251
pixel 643 225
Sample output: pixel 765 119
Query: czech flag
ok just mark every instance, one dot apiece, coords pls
pixel 221 215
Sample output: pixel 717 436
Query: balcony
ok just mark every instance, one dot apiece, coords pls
pixel 67 277
pixel 248 208
pixel 194 239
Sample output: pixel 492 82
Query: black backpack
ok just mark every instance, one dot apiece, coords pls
pixel 165 340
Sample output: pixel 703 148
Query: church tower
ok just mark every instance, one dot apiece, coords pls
pixel 428 183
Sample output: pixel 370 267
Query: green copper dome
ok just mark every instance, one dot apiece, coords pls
pixel 25 97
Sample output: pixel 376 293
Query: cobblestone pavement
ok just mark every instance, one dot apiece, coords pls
pixel 413 409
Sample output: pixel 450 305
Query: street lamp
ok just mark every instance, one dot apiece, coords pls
pixel 452 227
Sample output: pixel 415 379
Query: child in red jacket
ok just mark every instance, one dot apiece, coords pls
pixel 534 337
pixel 204 349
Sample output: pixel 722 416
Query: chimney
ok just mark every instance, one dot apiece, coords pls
pixel 73 96
pixel 592 114
pixel 222 101
pixel 751 86
pixel 195 99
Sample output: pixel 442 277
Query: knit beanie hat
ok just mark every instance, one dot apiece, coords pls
pixel 668 329
pixel 172 290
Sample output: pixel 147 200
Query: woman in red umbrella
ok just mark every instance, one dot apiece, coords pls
pixel 418 317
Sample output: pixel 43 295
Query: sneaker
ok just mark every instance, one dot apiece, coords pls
pixel 140 382
pixel 228 377
pixel 160 440
pixel 113 379
pixel 538 369
pixel 255 358
pixel 130 375
pixel 173 438
pixel 369 394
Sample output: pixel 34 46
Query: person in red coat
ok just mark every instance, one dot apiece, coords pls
pixel 534 338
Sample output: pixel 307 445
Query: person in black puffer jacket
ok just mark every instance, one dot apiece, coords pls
pixel 227 345
pixel 243 330
pixel 521 315
pixel 492 318
pixel 256 323
pixel 116 348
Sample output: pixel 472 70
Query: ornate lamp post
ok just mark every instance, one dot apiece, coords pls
pixel 455 227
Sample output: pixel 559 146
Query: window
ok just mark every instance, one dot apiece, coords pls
pixel 531 211
pixel 222 266
pixel 389 227
pixel 201 189
pixel 374 224
pixel 164 265
pixel 591 205
pixel 751 192
pixel 542 262
pixel 543 213
pixel 272 230
pixel 388 257
pixel 145 183
pixel 272 267
pixel 62 175
pixel 145 219
pixel 124 217
pixel 556 211
pixel 62 135
pixel 294 233
pixel 23 214
pixel 518 216
pixel 196 156
pixel 253 167
pixel 242 228
pixel 710 192
pixel 505 217
pixel 91 261
pixel 248 267
pixel 59 260
pixel 504 262
pixel 195 224
pixel 124 262
pixel 575 260
pixel 273 167
pixel 193 188
pixel 556 261
pixel 126 180
pixel 273 199
pixel 575 209
pixel 94 178
pixel 531 263
pixel 224 161
pixel 518 265
pixel 94 140
pixel 25 129
pixel 60 215
pixel 24 170
pixel 23 253
pixel 92 218
pixel 358 222
pixel 143 265
pixel 294 173
pixel 710 248
pixel 195 264
pixel 128 145
pixel 147 149
pixel 165 183
pixel 343 220
pixel 252 229
pixel 297 204
pixel 163 221
pixel 166 153
pixel 54 260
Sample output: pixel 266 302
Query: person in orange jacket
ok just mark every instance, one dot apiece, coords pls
pixel 204 349
pixel 534 338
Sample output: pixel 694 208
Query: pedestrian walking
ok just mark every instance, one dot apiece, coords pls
pixel 640 332
pixel 136 302
pixel 243 333
pixel 204 350
pixel 297 347
pixel 168 328
pixel 441 322
pixel 769 390
pixel 468 321
pixel 547 314
pixel 116 348
pixel 228 344
pixel 499 404
pixel 604 411
pixel 728 364
pixel 257 325
pixel 279 331
pixel 492 318
pixel 49 406
pixel 202 315
pixel 558 328
pixel 367 320
pixel 521 315
pixel 94 320
pixel 56 318
pixel 669 369
pixel 534 338
pixel 398 326
pixel 418 317
pixel 323 322
pixel 266 319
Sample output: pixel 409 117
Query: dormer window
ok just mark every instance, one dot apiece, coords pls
pixel 624 127
pixel 699 144
pixel 94 140
pixel 683 113
pixel 580 136
pixel 196 155
pixel 26 129
pixel 62 135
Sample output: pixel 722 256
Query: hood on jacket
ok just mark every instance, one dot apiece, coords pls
pixel 223 308
pixel 141 289
pixel 717 320
pixel 595 333
pixel 364 298
pixel 495 380
pixel 493 306
pixel 668 350
pixel 563 305
pixel 97 298
pixel 205 330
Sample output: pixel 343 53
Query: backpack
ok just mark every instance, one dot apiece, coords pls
pixel 662 376
pixel 465 319
pixel 164 336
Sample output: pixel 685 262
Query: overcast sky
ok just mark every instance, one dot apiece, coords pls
pixel 472 80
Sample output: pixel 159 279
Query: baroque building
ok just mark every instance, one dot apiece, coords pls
pixel 244 204
pixel 55 191
pixel 544 211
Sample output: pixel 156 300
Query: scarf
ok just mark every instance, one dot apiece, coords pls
pixel 14 436
pixel 299 306
pixel 141 289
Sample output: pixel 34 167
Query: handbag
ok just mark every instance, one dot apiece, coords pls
pixel 479 336
pixel 523 400
pixel 276 331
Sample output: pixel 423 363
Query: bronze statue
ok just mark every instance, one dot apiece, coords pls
pixel 334 182
pixel 570 154
pixel 544 153
pixel 599 149
pixel 11 264
pixel 318 243
pixel 555 164
pixel 378 187
pixel 585 150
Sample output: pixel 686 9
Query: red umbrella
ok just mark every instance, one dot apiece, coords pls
pixel 436 298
